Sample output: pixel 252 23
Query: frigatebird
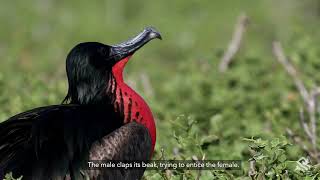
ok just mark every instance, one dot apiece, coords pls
pixel 101 118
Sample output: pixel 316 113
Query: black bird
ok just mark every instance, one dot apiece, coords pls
pixel 101 118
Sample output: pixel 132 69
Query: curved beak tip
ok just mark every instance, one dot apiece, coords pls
pixel 153 33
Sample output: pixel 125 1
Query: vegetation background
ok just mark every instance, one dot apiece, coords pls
pixel 244 113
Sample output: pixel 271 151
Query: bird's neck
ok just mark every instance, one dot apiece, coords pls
pixel 130 104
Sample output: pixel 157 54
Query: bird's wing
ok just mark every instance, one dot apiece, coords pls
pixel 16 133
pixel 130 142
pixel 50 141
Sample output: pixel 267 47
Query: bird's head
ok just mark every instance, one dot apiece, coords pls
pixel 92 65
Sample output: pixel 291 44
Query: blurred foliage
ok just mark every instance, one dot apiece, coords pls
pixel 200 112
pixel 272 161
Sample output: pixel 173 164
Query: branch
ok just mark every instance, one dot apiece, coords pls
pixel 132 82
pixel 312 112
pixel 309 99
pixel 280 56
pixel 296 139
pixel 252 169
pixel 147 87
pixel 235 42
pixel 199 171
pixel 304 125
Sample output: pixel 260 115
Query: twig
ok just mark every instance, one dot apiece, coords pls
pixel 235 42
pixel 252 171
pixel 146 84
pixel 304 124
pixel 309 99
pixel 166 174
pixel 280 56
pixel 195 158
pixel 176 151
pixel 132 82
pixel 296 139
pixel 315 92
pixel 162 157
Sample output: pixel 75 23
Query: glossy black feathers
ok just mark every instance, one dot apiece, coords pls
pixel 89 70
pixel 50 141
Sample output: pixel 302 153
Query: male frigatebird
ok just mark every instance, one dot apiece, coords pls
pixel 101 118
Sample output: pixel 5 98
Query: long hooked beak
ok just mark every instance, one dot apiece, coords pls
pixel 130 46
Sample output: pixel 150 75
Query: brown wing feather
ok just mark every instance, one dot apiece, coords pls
pixel 130 142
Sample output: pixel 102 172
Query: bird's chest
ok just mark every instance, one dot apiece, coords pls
pixel 132 107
